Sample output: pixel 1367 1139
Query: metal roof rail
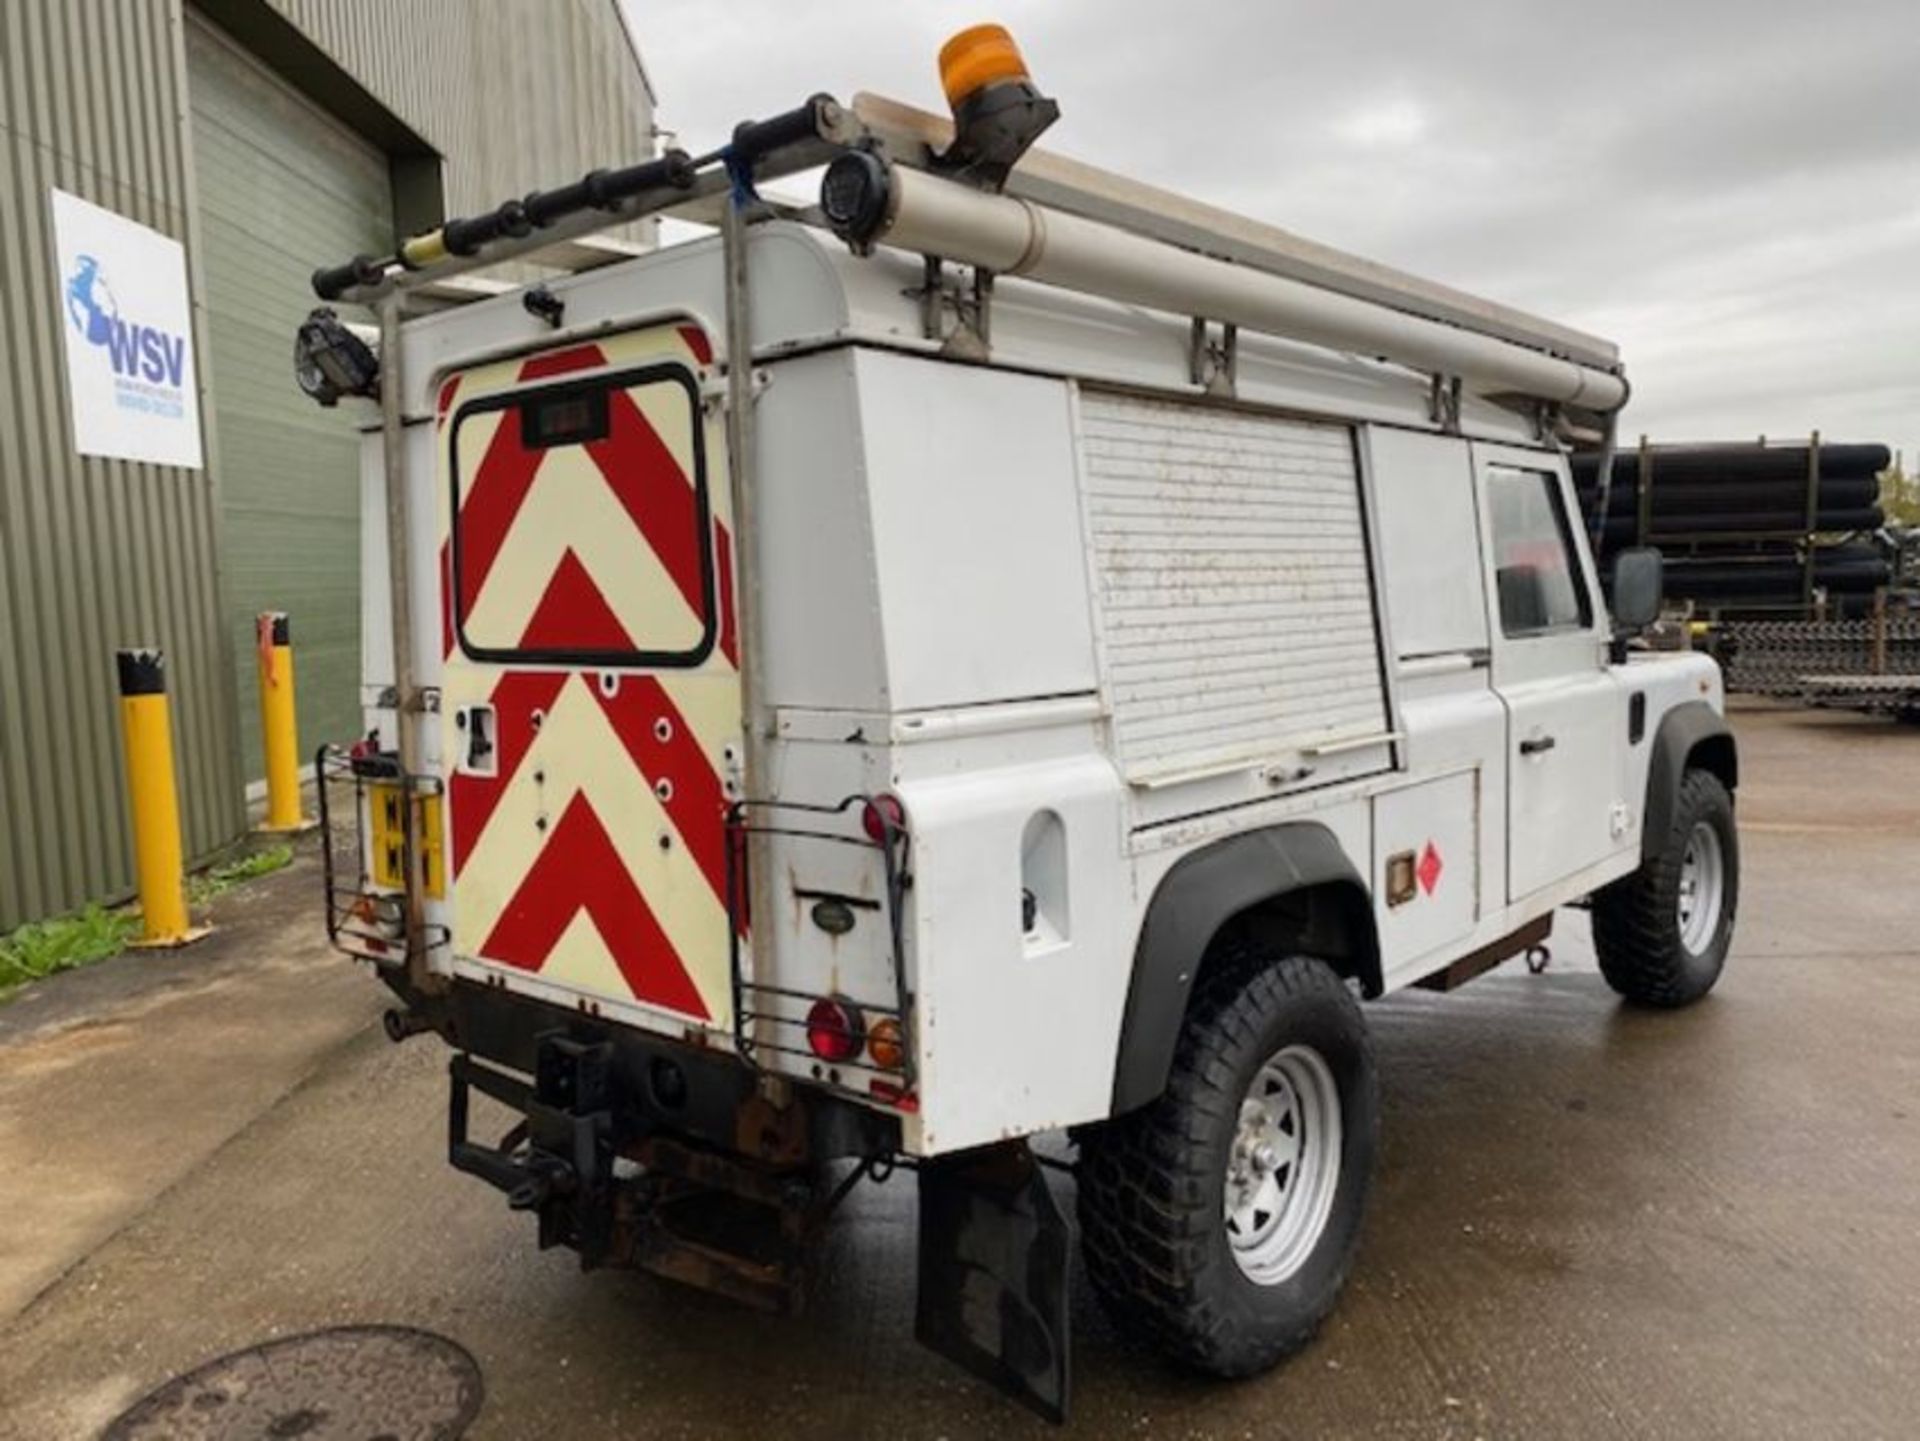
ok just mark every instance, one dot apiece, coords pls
pixel 1057 222
pixel 912 135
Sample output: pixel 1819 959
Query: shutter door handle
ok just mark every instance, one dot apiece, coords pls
pixel 1536 746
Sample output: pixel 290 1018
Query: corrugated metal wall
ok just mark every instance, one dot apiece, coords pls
pixel 94 554
pixel 517 94
pixel 279 186
pixel 98 554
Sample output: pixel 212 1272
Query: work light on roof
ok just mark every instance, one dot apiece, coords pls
pixel 330 361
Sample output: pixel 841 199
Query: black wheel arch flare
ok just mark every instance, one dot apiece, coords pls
pixel 1294 878
pixel 1693 735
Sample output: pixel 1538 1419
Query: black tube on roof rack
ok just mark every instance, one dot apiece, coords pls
pixel 605 189
pixel 755 138
pixel 331 282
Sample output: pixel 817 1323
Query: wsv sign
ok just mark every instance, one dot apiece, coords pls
pixel 128 328
pixel 138 352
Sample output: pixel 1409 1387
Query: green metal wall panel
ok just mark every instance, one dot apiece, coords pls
pixel 277 183
pixel 516 94
pixel 95 554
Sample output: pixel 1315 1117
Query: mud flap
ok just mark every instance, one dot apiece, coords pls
pixel 995 1249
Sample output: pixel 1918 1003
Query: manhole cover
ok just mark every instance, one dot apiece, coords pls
pixel 351 1383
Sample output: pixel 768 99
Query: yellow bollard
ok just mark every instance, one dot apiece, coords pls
pixel 280 732
pixel 148 732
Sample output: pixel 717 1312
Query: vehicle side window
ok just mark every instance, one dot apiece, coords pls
pixel 1535 570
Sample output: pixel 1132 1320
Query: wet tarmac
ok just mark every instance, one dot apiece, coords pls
pixel 1590 1221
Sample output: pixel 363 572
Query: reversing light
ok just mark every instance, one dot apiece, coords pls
pixel 834 1030
pixel 886 1046
pixel 881 817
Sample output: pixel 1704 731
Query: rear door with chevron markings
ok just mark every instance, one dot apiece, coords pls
pixel 591 701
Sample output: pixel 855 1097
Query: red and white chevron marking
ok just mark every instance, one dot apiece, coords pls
pixel 596 854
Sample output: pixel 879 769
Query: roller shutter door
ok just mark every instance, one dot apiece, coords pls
pixel 282 187
pixel 1235 596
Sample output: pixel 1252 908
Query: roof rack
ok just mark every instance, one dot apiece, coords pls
pixel 1051 220
pixel 912 136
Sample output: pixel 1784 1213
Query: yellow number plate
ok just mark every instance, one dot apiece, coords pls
pixel 387 841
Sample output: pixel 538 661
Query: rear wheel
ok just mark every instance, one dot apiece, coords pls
pixel 1220 1221
pixel 1662 933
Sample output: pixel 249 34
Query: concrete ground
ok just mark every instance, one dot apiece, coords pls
pixel 1590 1221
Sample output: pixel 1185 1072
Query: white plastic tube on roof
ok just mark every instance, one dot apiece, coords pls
pixel 1015 237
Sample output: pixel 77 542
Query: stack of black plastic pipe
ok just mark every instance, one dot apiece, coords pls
pixel 1733 521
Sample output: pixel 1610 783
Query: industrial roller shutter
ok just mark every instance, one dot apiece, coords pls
pixel 281 188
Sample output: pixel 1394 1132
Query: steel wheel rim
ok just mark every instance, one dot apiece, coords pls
pixel 1284 1166
pixel 1703 882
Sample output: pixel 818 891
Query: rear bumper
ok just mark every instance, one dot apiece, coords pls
pixel 635 1150
pixel 657 1085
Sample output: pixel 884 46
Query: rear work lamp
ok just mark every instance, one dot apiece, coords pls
pixel 330 361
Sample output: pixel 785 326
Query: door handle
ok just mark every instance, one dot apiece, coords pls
pixel 1534 746
pixel 480 749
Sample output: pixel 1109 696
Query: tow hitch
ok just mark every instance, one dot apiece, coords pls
pixel 626 1193
pixel 994 1245
pixel 557 1161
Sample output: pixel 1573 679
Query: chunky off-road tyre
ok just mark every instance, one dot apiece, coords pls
pixel 1273 1080
pixel 1662 933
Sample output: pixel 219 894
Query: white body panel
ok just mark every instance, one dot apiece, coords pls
pixel 987 589
pixel 1431 828
pixel 978 602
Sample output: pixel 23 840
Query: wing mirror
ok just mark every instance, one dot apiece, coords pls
pixel 1639 582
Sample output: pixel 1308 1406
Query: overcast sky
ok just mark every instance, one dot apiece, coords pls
pixel 1731 191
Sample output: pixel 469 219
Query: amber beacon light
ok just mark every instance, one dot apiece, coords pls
pixel 997 112
pixel 977 57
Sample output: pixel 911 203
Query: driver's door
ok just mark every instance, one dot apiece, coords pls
pixel 1564 708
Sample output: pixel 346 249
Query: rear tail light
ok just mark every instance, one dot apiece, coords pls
pixel 887 1046
pixel 834 1030
pixel 881 817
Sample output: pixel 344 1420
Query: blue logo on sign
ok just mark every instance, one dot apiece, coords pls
pixel 138 352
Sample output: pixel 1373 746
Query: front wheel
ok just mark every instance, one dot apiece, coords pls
pixel 1662 933
pixel 1220 1220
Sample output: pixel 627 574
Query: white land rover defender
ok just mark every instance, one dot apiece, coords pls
pixel 1000 651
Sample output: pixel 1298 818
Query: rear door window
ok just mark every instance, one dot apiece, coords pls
pixel 582 518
